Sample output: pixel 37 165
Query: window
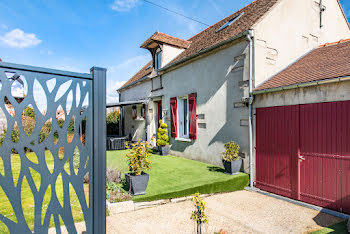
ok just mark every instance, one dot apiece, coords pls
pixel 231 21
pixel 183 117
pixel 158 60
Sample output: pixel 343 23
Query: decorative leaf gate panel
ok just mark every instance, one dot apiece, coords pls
pixel 46 149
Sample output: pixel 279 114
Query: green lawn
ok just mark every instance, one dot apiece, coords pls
pixel 336 228
pixel 27 197
pixel 172 177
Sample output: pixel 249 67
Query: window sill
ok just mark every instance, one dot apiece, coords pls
pixel 183 139
pixel 154 90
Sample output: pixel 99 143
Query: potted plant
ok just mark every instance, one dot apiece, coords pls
pixel 230 158
pixel 163 138
pixel 138 162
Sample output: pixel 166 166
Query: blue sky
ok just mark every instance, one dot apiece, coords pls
pixel 78 34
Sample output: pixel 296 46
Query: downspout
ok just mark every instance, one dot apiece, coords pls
pixel 250 103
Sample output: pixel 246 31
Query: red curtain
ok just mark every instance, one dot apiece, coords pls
pixel 173 113
pixel 192 106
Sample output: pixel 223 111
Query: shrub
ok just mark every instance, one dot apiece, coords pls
pixel 138 157
pixel 231 151
pixel 163 138
pixel 112 122
pixel 113 117
pixel 60 122
pixel 76 158
pixel 29 112
pixel 113 175
pixel 198 214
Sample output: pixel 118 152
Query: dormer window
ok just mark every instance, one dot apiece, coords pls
pixel 158 60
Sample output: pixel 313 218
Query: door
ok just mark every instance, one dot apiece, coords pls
pixel 325 154
pixel 303 152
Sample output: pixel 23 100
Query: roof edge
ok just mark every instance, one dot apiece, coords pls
pixel 286 67
pixel 342 10
pixel 201 52
pixel 303 85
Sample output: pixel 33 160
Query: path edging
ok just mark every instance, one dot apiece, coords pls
pixel 129 206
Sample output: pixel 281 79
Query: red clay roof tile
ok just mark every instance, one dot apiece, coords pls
pixel 167 39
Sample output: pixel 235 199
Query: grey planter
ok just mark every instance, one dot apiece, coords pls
pixel 164 150
pixel 232 167
pixel 138 183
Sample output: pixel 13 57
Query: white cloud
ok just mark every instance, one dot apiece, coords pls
pixel 111 92
pixel 3 26
pixel 118 74
pixel 19 39
pixel 124 5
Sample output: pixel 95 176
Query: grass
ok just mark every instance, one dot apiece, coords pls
pixel 336 228
pixel 172 177
pixel 27 197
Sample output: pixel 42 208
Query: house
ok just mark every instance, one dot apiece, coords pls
pixel 209 88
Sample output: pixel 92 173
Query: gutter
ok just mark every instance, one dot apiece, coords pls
pixel 201 52
pixel 135 82
pixel 302 85
pixel 251 98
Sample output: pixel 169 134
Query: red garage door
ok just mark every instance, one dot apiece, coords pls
pixel 303 152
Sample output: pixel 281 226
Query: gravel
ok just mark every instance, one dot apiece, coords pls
pixel 235 212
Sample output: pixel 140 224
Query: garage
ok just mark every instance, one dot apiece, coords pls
pixel 303 152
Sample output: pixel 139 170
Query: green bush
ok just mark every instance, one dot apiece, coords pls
pixel 29 112
pixel 76 159
pixel 113 117
pixel 231 151
pixel 163 138
pixel 138 157
pixel 112 122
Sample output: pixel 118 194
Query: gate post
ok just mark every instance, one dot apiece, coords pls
pixel 99 150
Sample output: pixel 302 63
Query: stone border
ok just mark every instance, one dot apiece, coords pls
pixel 129 206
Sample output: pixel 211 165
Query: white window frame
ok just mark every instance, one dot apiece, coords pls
pixel 158 64
pixel 180 118
pixel 139 112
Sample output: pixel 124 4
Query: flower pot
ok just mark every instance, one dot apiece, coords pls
pixel 232 167
pixel 164 150
pixel 137 184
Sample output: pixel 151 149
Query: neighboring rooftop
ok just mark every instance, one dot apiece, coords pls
pixel 331 60
pixel 159 37
pixel 248 16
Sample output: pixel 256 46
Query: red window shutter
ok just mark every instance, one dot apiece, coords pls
pixel 173 113
pixel 192 106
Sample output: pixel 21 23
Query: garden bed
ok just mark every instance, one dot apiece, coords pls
pixel 172 177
